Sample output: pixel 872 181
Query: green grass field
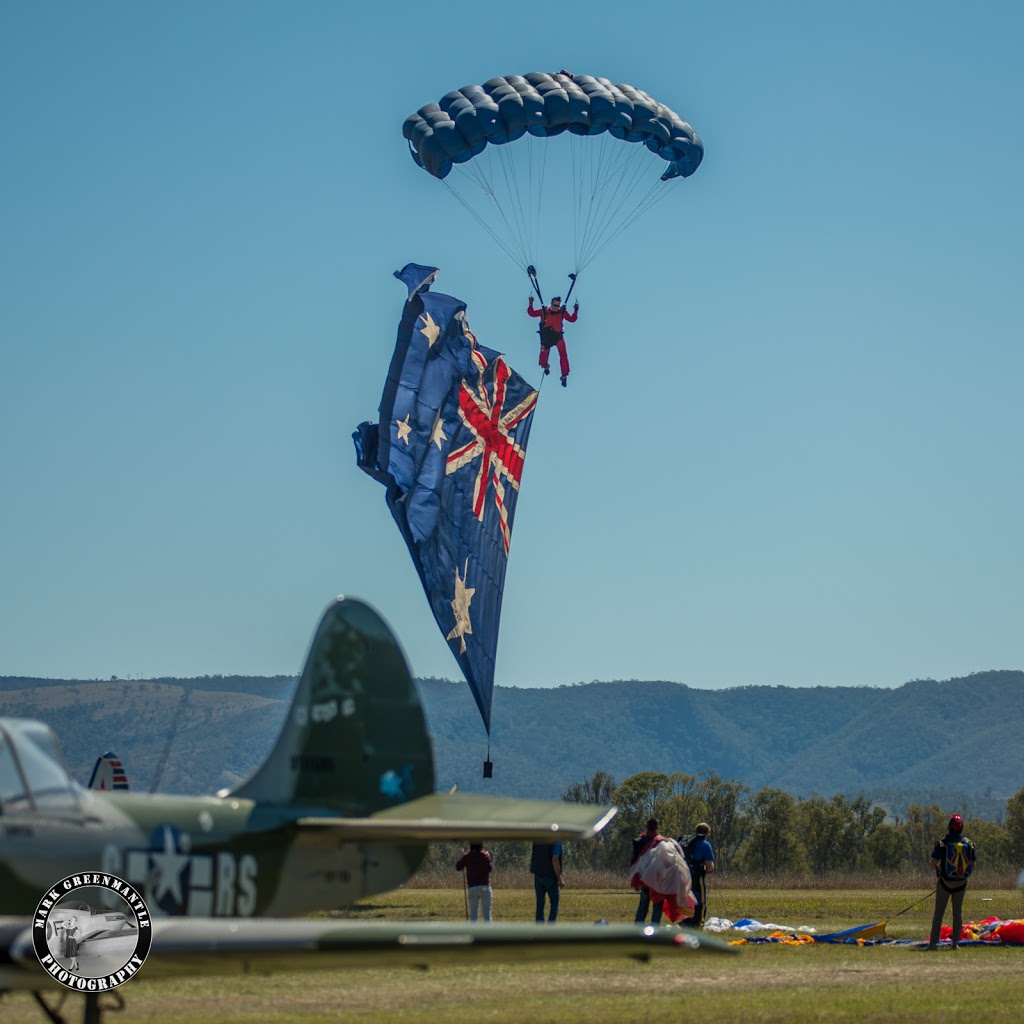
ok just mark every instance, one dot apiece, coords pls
pixel 763 983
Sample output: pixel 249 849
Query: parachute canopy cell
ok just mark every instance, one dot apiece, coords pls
pixel 502 110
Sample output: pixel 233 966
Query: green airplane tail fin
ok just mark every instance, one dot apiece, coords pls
pixel 355 740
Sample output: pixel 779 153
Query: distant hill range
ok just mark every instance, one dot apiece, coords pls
pixel 953 741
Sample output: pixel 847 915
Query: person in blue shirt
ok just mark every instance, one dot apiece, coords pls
pixel 701 860
pixel 546 868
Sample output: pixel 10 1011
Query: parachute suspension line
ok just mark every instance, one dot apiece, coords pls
pixel 654 195
pixel 630 170
pixel 605 175
pixel 577 196
pixel 584 185
pixel 524 178
pixel 538 158
pixel 499 241
pixel 476 171
pixel 484 176
pixel 508 166
pixel 511 188
pixel 613 220
pixel 603 201
pixel 511 168
pixel 610 228
pixel 582 182
pixel 503 190
pixel 525 163
pixel 579 161
pixel 613 191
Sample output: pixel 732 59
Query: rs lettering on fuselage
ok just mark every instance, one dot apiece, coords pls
pixel 179 883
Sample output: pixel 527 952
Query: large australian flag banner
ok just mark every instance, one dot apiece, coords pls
pixel 449 448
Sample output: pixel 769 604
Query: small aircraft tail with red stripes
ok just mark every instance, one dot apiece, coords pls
pixel 108 773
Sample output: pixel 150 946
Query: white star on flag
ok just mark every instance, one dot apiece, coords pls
pixel 404 429
pixel 460 606
pixel 438 435
pixel 430 330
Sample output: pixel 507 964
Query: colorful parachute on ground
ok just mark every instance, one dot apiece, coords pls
pixel 608 181
pixel 991 932
pixel 450 448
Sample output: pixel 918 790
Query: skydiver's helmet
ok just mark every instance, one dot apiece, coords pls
pixel 956 823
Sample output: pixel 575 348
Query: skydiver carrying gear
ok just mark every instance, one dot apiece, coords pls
pixel 953 859
pixel 552 334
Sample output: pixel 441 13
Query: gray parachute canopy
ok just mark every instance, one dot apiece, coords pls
pixel 470 130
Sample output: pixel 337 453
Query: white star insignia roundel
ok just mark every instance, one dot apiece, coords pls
pixel 168 865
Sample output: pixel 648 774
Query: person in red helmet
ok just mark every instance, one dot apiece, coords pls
pixel 552 332
pixel 953 860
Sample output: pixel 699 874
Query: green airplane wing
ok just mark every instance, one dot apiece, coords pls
pixel 469 816
pixel 184 947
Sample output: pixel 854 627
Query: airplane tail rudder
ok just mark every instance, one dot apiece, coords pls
pixel 108 773
pixel 355 740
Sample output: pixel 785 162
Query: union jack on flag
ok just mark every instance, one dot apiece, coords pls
pixel 493 443
pixel 450 448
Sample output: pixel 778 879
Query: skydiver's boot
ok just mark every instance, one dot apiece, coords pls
pixel 565 380
pixel 547 370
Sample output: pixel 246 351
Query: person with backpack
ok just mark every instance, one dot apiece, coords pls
pixel 700 858
pixel 953 859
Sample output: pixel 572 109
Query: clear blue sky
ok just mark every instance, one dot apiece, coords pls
pixel 790 453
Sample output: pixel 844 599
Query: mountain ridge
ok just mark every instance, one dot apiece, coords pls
pixel 958 734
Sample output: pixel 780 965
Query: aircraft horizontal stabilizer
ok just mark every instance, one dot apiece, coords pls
pixel 469 816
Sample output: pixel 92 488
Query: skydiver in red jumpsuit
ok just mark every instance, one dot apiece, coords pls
pixel 551 332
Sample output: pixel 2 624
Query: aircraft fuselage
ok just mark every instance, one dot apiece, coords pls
pixel 195 856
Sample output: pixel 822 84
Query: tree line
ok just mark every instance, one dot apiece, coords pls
pixel 767 832
pixel 771 831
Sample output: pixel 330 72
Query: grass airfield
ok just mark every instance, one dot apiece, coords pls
pixel 764 983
